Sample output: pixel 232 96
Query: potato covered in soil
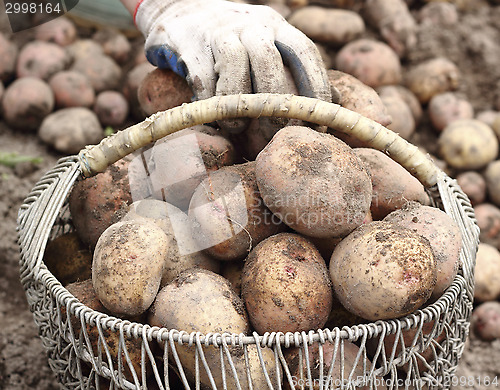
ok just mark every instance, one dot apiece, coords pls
pixel 485 321
pixel 41 59
pixel 161 90
pixel 127 266
pixel 101 70
pixel 68 259
pixel 443 234
pixel 390 192
pixel 99 201
pixel 468 144
pixel 488 220
pixel 69 130
pixel 229 215
pixel 487 273
pixel 285 285
pixel 26 102
pixel 372 62
pixel 448 107
pixel 111 108
pixel 313 182
pixel 382 271
pixel 473 185
pixel 492 179
pixel 8 58
pixel 61 31
pixel 72 89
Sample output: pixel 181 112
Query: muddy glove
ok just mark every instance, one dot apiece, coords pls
pixel 224 48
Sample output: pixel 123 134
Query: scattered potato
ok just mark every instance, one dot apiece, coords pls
pixel 390 192
pixel 438 13
pixel 285 285
pixel 447 107
pixel 84 48
pixel 383 271
pixel 329 25
pixel 61 31
pixel 492 179
pixel 72 89
pixel 488 220
pixel 488 117
pixel 443 234
pixel 26 102
pixel 8 58
pixel 114 44
pixel 101 70
pixel 485 321
pixel 132 82
pixel 404 93
pixel 69 130
pixel 41 59
pixel 111 108
pixel 127 266
pixel 473 185
pixel 468 144
pixel 432 77
pixel 403 121
pixel 487 273
pixel 313 182
pixel 372 62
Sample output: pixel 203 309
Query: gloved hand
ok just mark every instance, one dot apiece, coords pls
pixel 224 48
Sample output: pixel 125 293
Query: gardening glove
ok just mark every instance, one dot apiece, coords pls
pixel 224 48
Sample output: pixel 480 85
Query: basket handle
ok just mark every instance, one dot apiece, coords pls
pixel 96 158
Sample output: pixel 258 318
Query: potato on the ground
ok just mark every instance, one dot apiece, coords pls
pixel 432 77
pixel 487 273
pixel 313 182
pixel 438 13
pixel 68 259
pixel 102 71
pixel 404 93
pixel 403 121
pixel 127 266
pixel 161 90
pixel 447 107
pixel 69 130
pixel 26 102
pixel 443 234
pixel 285 285
pixel 473 185
pixel 114 43
pixel 488 117
pixel 111 108
pixel 492 178
pixel 72 89
pixel 395 23
pixel 496 126
pixel 488 220
pixel 468 144
pixel 329 25
pixel 229 215
pixel 99 201
pixel 390 192
pixel 132 82
pixel 84 48
pixel 485 321
pixel 372 62
pixel 8 58
pixel 41 59
pixel 383 271
pixel 61 31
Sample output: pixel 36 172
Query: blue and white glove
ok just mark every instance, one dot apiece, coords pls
pixel 224 48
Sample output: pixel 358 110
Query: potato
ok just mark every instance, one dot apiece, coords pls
pixel 132 82
pixel 161 90
pixel 447 107
pixel 359 97
pixel 183 251
pixel 72 89
pixel 473 185
pixel 84 48
pixel 390 192
pixel 229 215
pixel 468 144
pixel 492 179
pixel 8 58
pixel 404 93
pixel 61 31
pixel 68 259
pixel 439 13
pixel 488 117
pixel 403 121
pixel 313 182
pixel 111 108
pixel 26 102
pixel 41 59
pixel 372 62
pixel 97 202
pixel 127 266
pixel 383 271
pixel 488 220
pixel 394 21
pixel 487 273
pixel 443 234
pixel 114 44
pixel 102 71
pixel 69 130
pixel 232 271
pixel 332 26
pixel 432 77
pixel 285 285
pixel 2 90
pixel 485 321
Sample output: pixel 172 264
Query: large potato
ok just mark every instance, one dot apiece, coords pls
pixel 383 271
pixel 128 265
pixel 313 182
pixel 285 285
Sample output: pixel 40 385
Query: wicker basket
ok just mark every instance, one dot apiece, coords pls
pixel 81 364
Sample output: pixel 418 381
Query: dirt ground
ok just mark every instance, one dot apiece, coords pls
pixel 473 44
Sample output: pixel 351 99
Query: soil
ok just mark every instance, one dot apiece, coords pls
pixel 472 44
